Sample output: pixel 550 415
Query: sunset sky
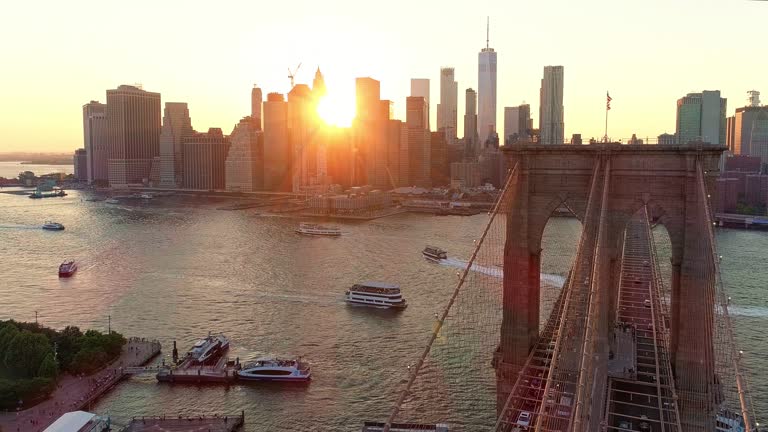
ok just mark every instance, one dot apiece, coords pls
pixel 57 56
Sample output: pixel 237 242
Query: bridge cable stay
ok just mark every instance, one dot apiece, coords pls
pixel 732 399
pixel 537 369
pixel 429 394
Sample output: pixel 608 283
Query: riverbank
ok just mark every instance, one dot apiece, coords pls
pixel 78 392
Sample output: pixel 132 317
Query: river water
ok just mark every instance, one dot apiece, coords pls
pixel 178 268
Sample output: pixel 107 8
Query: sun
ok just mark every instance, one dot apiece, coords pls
pixel 336 111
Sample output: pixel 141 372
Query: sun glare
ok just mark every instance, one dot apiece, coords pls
pixel 336 111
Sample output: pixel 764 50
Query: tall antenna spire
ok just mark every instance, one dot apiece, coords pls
pixel 487 31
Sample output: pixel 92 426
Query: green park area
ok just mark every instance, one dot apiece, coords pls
pixel 32 357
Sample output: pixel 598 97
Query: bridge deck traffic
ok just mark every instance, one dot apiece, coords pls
pixel 640 387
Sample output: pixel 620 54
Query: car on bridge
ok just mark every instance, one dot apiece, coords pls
pixel 524 419
pixel 625 425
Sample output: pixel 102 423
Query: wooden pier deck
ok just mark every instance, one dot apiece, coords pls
pixel 186 424
pixel 223 371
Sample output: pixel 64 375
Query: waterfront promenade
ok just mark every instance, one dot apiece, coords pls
pixel 79 392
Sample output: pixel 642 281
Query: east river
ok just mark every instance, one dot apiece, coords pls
pixel 176 268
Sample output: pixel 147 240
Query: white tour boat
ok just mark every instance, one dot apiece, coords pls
pixel 112 201
pixel 434 253
pixel 210 348
pixel 276 369
pixel 318 230
pixel 375 294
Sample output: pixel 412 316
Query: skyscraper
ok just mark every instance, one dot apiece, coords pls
pixel 470 123
pixel 447 109
pixel 133 128
pixel 369 135
pixel 301 132
pixel 277 156
pixel 420 88
pixel 318 84
pixel 256 104
pixel 244 167
pixel 440 174
pixel 551 117
pixel 486 92
pixel 517 123
pixel 176 126
pixel 750 134
pixel 419 142
pixel 95 141
pixel 701 117
pixel 204 160
pixel 80 162
pixel 396 142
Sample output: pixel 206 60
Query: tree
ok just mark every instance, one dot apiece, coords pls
pixel 48 368
pixel 67 345
pixel 25 353
pixel 7 333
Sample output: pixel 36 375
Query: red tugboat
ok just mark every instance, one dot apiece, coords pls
pixel 67 268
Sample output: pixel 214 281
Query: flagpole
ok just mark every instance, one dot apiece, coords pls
pixel 607 108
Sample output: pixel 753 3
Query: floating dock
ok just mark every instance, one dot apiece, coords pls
pixel 224 371
pixel 186 424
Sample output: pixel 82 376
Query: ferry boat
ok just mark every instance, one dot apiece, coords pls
pixel 434 253
pixel 112 201
pixel 318 230
pixel 52 226
pixel 375 294
pixel 276 369
pixel 67 268
pixel 208 349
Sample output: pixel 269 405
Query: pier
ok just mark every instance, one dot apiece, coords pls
pixel 223 371
pixel 186 424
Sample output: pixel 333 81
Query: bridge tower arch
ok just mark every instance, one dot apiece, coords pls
pixel 662 178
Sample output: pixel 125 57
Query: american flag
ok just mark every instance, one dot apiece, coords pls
pixel 607 101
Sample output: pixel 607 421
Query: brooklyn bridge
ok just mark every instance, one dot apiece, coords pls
pixel 616 343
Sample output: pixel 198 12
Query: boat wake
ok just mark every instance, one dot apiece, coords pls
pixel 546 278
pixel 748 311
pixel 298 298
pixel 22 227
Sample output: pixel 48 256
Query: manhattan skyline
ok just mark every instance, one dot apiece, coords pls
pixel 61 58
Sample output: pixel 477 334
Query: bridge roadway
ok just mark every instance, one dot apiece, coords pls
pixel 640 388
pixel 641 392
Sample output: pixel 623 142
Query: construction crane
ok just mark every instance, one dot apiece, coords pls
pixel 291 75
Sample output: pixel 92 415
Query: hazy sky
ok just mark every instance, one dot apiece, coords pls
pixel 57 55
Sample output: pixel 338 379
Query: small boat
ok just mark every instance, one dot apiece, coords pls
pixel 67 268
pixel 276 369
pixel 51 194
pixel 318 230
pixel 380 295
pixel 208 349
pixel 434 253
pixel 112 201
pixel 53 226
